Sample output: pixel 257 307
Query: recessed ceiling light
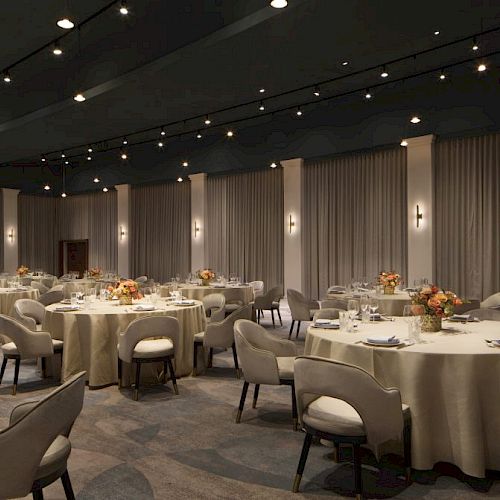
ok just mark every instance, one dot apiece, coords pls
pixel 105 189
pixel 207 120
pixel 65 23
pixel 57 51
pixel 96 180
pixel 261 107
pixel 384 73
pixel 230 133
pixel 185 164
pixel 123 8
pixel 368 94
pixel 89 158
pixel 279 4
pixel 179 179
pixel 436 33
pixel 273 165
pixel 404 143
pixel 46 187
pixel 124 156
pixel 475 46
pixel 63 195
pixel 160 144
pixel 415 119
pixel 162 132
pixel 89 149
pixel 124 142
pixel 299 112
pixel 442 76
pixel 198 135
pixel 63 155
pixel 79 98
pixel 481 68
pixel 316 91
pixel 345 63
pixel 6 77
pixel 66 162
pixel 262 90
pixel 44 159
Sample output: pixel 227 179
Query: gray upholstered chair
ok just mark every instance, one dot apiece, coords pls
pixel 49 281
pixel 34 448
pixel 25 281
pixel 51 297
pixel 39 286
pixel 490 314
pixel 134 349
pixel 141 279
pixel 258 288
pixel 214 305
pixel 29 313
pixel 220 334
pixel 330 313
pixel 264 359
pixel 344 404
pixel 270 301
pixel 491 301
pixel 334 304
pixel 22 343
pixel 302 309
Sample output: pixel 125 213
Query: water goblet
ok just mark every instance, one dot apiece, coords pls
pixel 352 310
pixel 373 307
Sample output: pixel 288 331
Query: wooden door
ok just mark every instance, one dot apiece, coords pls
pixel 73 256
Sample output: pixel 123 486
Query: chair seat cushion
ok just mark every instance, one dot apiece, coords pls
pixel 58 345
pixel 275 305
pixel 232 307
pixel 55 458
pixel 10 348
pixel 285 367
pixel 153 348
pixel 198 337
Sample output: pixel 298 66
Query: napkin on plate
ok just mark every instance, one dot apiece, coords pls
pixel 383 339
pixel 337 289
pixel 184 302
pixel 67 308
pixel 144 307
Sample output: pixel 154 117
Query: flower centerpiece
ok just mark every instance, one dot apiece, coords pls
pixel 437 303
pixel 95 273
pixel 22 270
pixel 206 275
pixel 125 291
pixel 389 280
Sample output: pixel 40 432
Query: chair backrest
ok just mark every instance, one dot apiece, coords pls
pixel 334 304
pixel 141 279
pixel 29 313
pixel 299 305
pixel 25 441
pixel 143 328
pixel 221 334
pixel 214 304
pixel 48 282
pixel 266 301
pixel 491 314
pixel 257 350
pixel 51 297
pixel 378 407
pixel 258 288
pixel 29 344
pixel 330 313
pixel 39 286
pixel 491 301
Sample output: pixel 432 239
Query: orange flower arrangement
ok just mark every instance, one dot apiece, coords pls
pixel 125 288
pixel 95 272
pixel 436 302
pixel 22 270
pixel 389 278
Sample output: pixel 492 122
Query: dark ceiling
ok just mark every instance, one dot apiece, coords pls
pixel 171 60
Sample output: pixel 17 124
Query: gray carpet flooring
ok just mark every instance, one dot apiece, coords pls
pixel 189 447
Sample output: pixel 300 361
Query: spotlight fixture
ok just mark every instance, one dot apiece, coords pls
pixel 89 149
pixel 436 33
pixel 442 75
pixel 65 23
pixel 481 68
pixel 185 163
pixel 384 73
pixel 273 165
pixel 123 155
pixel 230 133
pixel 345 63
pixel 63 194
pixel 105 189
pixel 89 158
pixel 198 135
pixel 404 143
pixel 46 187
pixel 124 142
pixel 299 111
pixel 179 179
pixel 79 98
pixel 96 179
pixel 66 162
pixel 123 8
pixel 262 90
pixel 316 91
pixel 57 51
pixel 261 107
pixel 44 159
pixel 415 119
pixel 279 4
pixel 160 144
pixel 6 77
pixel 207 120
pixel 162 132
pixel 368 94
pixel 63 155
pixel 475 46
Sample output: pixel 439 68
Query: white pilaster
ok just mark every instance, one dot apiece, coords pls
pixel 420 161
pixel 292 209
pixel 10 230
pixel 198 221
pixel 123 230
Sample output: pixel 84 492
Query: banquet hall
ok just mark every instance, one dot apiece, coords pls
pixel 250 249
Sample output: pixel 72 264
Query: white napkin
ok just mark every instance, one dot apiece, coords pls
pixel 461 317
pixel 363 289
pixel 383 339
pixel 184 302
pixel 67 308
pixel 144 307
pixel 337 289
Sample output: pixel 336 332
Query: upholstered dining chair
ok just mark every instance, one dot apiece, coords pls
pixel 258 288
pixel 270 301
pixel 134 349
pixel 491 301
pixel 489 314
pixel 220 334
pixel 29 313
pixel 264 359
pixel 302 309
pixel 214 305
pixel 34 448
pixel 48 282
pixel 141 279
pixel 39 286
pixel 330 313
pixel 51 297
pixel 25 281
pixel 23 343
pixel 346 405
pixel 333 304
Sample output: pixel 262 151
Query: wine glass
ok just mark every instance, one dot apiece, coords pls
pixel 352 310
pixel 373 307
pixel 147 294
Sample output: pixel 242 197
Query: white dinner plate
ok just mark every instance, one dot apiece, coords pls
pixel 383 344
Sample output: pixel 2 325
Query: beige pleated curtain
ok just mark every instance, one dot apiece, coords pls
pixel 245 225
pixel 354 218
pixel 467 215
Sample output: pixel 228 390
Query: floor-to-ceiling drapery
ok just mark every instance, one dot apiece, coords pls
pixel 245 225
pixel 354 218
pixel 467 215
pixel 161 237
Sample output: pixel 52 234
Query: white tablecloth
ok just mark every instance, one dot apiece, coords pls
pixel 391 305
pixel 243 294
pixel 451 383
pixel 9 296
pixel 91 337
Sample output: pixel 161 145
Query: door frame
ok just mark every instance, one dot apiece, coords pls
pixel 62 244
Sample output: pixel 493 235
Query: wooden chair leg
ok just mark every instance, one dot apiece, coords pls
pixel 37 494
pixel 255 395
pixel 291 329
pixel 137 379
pixel 119 373
pixel 407 451
pixel 298 329
pixel 242 402
pixel 2 371
pixel 279 316
pixel 358 483
pixel 302 462
pixel 16 376
pixel 68 489
pixel 235 357
pixel 294 409
pixel 172 376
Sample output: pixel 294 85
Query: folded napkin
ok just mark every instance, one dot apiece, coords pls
pixel 217 285
pixel 461 317
pixel 321 321
pixel 383 339
pixel 144 307
pixel 184 302
pixel 363 289
pixel 338 289
pixel 67 308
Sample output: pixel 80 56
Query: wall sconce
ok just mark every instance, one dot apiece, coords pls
pixel 291 223
pixel 122 232
pixel 196 229
pixel 419 216
pixel 10 235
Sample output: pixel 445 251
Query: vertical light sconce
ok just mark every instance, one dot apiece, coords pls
pixel 291 223
pixel 122 232
pixel 10 235
pixel 419 216
pixel 196 229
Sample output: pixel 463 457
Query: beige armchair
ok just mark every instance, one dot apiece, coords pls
pixel 264 360
pixel 35 448
pixel 334 304
pixel 258 288
pixel 51 297
pixel 330 313
pixel 214 305
pixel 301 309
pixel 134 349
pixel 22 343
pixel 491 301
pixel 220 334
pixel 345 404
pixel 489 314
pixel 270 301
pixel 39 286
pixel 29 313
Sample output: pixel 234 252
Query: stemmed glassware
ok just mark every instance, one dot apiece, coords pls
pixel 373 307
pixel 353 310
pixel 412 315
pixel 365 308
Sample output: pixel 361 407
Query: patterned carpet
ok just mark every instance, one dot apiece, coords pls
pixel 188 446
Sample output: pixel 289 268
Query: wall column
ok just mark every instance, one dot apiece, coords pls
pixel 292 209
pixel 10 229
pixel 198 221
pixel 420 162
pixel 123 230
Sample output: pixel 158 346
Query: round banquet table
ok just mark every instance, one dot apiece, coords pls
pixel 241 293
pixel 79 285
pixel 390 305
pixel 91 337
pixel 8 297
pixel 451 381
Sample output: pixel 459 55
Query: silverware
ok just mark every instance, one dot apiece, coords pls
pixel 489 343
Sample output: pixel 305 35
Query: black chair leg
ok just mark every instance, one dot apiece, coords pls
pixel 44 367
pixel 165 371
pixel 291 329
pixel 272 316
pixel 358 484
pixel 119 373
pixel 302 462
pixel 172 375
pixel 37 494
pixel 2 371
pixel 279 316
pixel 210 357
pixel 294 409
pixel 16 376
pixel 258 316
pixel 137 379
pixel 407 451
pixel 195 358
pixel 242 402
pixel 235 357
pixel 68 489
pixel 298 329
pixel 255 395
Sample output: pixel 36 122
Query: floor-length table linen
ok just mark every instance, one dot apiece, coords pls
pixel 91 336
pixel 241 293
pixel 388 304
pixel 451 382
pixel 8 297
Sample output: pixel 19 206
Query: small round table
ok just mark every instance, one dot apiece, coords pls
pixel 240 293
